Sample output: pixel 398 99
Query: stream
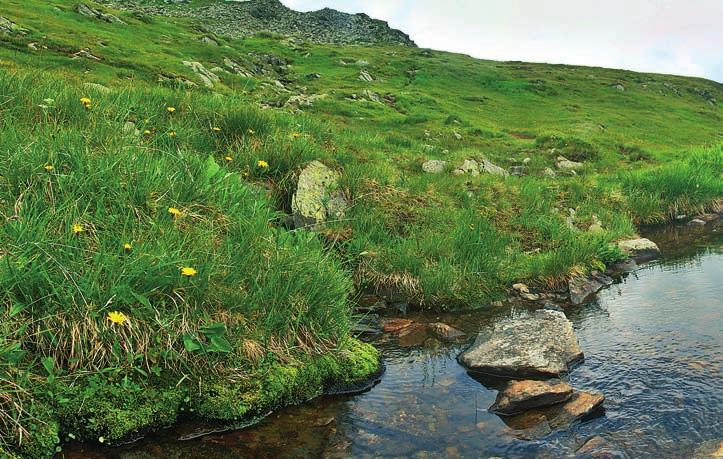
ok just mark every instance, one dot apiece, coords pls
pixel 652 344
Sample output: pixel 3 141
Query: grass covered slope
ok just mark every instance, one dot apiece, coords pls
pixel 176 219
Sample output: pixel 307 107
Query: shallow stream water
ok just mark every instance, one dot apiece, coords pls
pixel 652 343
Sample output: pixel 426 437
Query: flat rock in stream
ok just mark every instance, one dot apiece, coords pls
pixel 446 332
pixel 520 396
pixel 542 344
pixel 598 447
pixel 583 287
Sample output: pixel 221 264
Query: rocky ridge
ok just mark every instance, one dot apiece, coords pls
pixel 244 18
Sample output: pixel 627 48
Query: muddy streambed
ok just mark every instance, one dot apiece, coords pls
pixel 652 342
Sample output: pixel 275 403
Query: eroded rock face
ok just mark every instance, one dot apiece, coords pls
pixel 520 396
pixel 583 287
pixel 318 196
pixel 540 344
pixel 640 249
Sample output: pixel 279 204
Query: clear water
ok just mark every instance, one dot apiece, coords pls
pixel 652 343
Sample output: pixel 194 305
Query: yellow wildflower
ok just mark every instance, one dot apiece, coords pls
pixel 172 134
pixel 175 212
pixel 127 246
pixel 228 158
pixel 188 271
pixel 295 135
pixel 251 131
pixel 78 228
pixel 118 318
pixel 262 164
pixel 170 109
pixel 48 167
pixel 85 101
pixel 146 132
pixel 216 129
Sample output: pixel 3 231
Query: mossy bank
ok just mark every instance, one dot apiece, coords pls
pixel 150 264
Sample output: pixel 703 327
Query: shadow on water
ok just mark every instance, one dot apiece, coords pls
pixel 652 344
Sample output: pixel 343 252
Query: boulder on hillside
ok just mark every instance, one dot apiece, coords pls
pixel 520 396
pixel 318 196
pixel 640 249
pixel 11 28
pixel 582 287
pixel 566 164
pixel 539 344
pixel 493 169
pixel 469 166
pixel 434 166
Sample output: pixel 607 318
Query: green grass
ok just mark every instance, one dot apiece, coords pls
pixel 266 321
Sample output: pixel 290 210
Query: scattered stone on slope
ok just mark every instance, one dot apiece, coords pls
pixel 93 13
pixel 457 135
pixel 582 287
pixel 207 77
pixel 318 196
pixel 640 249
pixel 540 344
pixel 565 164
pixel 520 396
pixel 302 100
pixel 493 169
pixel 180 81
pixel 595 226
pixel 11 28
pixel 86 54
pixel 365 76
pixel 434 166
pixel 97 87
pixel 372 96
pixel 548 172
pixel 208 40
pixel 469 166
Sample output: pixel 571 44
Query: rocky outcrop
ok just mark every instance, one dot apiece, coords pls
pixel 520 396
pixel 540 344
pixel 242 19
pixel 473 167
pixel 565 164
pixel 434 166
pixel 582 287
pixel 318 196
pixel 207 77
pixel 11 28
pixel 640 249
pixel 94 13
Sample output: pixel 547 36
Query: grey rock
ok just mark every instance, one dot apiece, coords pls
pixel 365 76
pixel 9 27
pixel 469 166
pixel 490 168
pixel 539 344
pixel 640 249
pixel 697 222
pixel 520 396
pixel 86 54
pixel 318 196
pixel 582 287
pixel 207 77
pixel 434 166
pixel 446 332
pixel 549 173
pixel 457 135
pixel 517 171
pixel 93 13
pixel 208 40
pixel 565 164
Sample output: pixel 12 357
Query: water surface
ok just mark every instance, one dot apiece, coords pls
pixel 652 345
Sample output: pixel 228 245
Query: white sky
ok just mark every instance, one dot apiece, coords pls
pixel 683 37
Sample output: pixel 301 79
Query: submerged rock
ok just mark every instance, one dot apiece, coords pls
pixel 540 344
pixel 539 422
pixel 520 396
pixel 318 196
pixel 582 287
pixel 640 249
pixel 446 332
pixel 599 448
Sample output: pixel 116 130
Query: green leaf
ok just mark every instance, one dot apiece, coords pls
pixel 219 344
pixel 141 299
pixel 16 309
pixel 49 365
pixel 216 329
pixel 212 168
pixel 191 343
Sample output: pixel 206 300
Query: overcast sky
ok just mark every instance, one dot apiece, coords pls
pixel 683 37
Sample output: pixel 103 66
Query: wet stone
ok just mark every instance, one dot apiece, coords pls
pixel 599 448
pixel 583 287
pixel 640 249
pixel 446 332
pixel 539 344
pixel 520 396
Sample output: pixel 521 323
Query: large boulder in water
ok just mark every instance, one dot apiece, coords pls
pixel 540 344
pixel 640 249
pixel 318 196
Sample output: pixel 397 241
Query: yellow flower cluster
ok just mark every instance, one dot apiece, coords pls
pixel 86 102
pixel 117 318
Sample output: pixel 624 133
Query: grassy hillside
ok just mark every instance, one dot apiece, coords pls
pixel 108 198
